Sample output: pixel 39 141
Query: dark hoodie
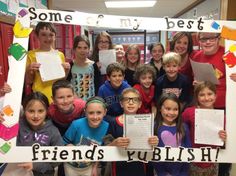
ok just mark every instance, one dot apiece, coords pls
pixel 48 135
pixel 112 97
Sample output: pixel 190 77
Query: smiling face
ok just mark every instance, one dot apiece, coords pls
pixel 206 98
pixel 35 114
pixel 120 53
pixel 116 78
pixel 95 112
pixel 169 112
pixel 64 99
pixel 181 45
pixel 130 103
pixel 171 70
pixel 146 80
pixel 132 56
pixel 209 43
pixel 82 50
pixel 103 43
pixel 157 53
pixel 46 39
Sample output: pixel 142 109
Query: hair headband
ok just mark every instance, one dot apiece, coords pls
pixel 96 101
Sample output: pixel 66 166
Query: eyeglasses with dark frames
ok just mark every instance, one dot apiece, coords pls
pixel 210 39
pixel 128 99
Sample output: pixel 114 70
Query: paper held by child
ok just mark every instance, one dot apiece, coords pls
pixel 106 57
pixel 208 123
pixel 51 66
pixel 204 72
pixel 138 128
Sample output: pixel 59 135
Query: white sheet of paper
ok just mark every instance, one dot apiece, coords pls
pixel 13 170
pixel 138 128
pixel 204 72
pixel 208 122
pixel 106 57
pixel 51 65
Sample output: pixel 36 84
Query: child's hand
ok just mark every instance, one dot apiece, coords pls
pixel 34 67
pixel 222 135
pixel 26 166
pixel 6 88
pixel 1 117
pixel 66 66
pixel 233 77
pixel 99 65
pixel 153 140
pixel 120 142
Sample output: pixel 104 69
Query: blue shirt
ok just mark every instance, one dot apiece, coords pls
pixel 80 133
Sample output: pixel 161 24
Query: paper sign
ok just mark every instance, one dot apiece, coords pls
pixel 208 123
pixel 51 65
pixel 138 128
pixel 106 57
pixel 204 72
pixel 19 30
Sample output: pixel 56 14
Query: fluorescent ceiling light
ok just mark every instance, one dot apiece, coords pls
pixel 129 4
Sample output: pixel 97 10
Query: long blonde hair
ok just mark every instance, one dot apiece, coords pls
pixel 130 47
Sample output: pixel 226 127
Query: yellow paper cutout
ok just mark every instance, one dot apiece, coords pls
pixel 232 48
pixel 20 31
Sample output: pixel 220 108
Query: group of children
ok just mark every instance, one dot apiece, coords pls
pixel 75 116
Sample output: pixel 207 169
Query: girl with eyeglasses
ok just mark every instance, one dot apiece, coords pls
pixel 103 42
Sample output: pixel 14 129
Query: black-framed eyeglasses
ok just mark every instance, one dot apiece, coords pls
pixel 128 99
pixel 210 39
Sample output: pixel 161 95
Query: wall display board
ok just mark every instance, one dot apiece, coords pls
pixel 10 7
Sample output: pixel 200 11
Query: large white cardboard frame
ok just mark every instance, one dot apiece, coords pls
pixel 97 153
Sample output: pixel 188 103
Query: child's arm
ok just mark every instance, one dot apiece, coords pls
pixel 26 166
pixel 94 169
pixel 153 140
pixel 120 142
